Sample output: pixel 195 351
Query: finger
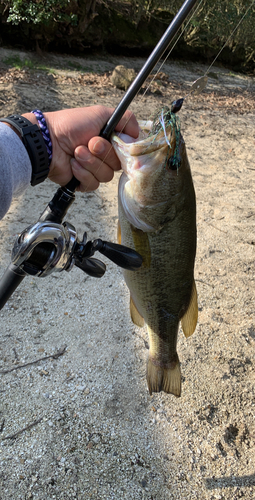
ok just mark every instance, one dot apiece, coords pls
pixel 128 124
pixel 89 163
pixel 100 169
pixel 103 150
pixel 87 180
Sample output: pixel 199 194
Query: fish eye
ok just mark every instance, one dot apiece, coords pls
pixel 173 163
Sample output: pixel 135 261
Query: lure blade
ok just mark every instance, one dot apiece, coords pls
pixel 199 85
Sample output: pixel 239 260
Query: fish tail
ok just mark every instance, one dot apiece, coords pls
pixel 164 378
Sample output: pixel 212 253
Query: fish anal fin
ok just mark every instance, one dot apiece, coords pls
pixel 135 315
pixel 119 233
pixel 189 319
pixel 161 378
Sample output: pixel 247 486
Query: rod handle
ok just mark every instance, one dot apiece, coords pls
pixel 9 282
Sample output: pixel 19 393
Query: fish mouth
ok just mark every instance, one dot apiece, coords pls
pixel 136 154
pixel 158 140
pixel 145 143
pixel 149 165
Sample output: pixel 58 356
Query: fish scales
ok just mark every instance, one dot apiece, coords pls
pixel 157 218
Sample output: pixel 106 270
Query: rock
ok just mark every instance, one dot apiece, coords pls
pixel 122 77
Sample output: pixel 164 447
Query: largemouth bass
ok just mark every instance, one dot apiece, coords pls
pixel 157 218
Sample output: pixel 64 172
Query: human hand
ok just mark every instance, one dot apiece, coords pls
pixel 78 150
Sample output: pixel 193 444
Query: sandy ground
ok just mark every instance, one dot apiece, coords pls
pixel 82 425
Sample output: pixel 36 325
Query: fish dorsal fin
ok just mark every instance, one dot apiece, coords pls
pixel 119 233
pixel 189 320
pixel 135 315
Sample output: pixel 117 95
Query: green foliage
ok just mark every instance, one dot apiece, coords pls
pixel 81 23
pixel 213 24
pixel 18 63
pixel 219 18
pixel 40 12
pixel 221 23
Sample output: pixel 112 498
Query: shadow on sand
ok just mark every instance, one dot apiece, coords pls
pixel 231 481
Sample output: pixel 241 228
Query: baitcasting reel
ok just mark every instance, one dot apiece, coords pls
pixel 49 246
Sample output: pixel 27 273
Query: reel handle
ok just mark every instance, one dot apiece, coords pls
pixel 124 257
pixel 92 267
pixel 9 282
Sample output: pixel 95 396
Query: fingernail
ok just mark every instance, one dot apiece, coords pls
pixel 84 155
pixel 99 148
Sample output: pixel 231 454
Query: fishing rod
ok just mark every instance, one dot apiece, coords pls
pixel 53 245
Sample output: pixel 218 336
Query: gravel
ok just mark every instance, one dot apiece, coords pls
pixel 77 421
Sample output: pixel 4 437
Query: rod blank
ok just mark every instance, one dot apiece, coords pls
pixel 141 77
pixel 147 68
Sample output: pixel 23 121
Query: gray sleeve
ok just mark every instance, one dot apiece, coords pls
pixel 15 167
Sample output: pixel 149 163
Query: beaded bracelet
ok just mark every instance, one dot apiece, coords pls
pixel 45 132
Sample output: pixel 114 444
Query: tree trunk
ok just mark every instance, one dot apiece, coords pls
pixel 86 13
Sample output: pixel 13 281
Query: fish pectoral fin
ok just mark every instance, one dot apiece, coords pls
pixel 167 379
pixel 135 315
pixel 119 233
pixel 142 245
pixel 189 319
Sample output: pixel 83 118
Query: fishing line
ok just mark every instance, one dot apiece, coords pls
pixel 238 24
pixel 198 85
pixel 201 82
pixel 150 83
pixel 176 41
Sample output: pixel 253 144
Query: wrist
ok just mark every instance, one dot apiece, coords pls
pixel 28 116
pixel 43 127
pixel 31 117
pixel 33 141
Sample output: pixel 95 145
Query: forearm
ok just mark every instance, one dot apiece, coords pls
pixel 15 167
